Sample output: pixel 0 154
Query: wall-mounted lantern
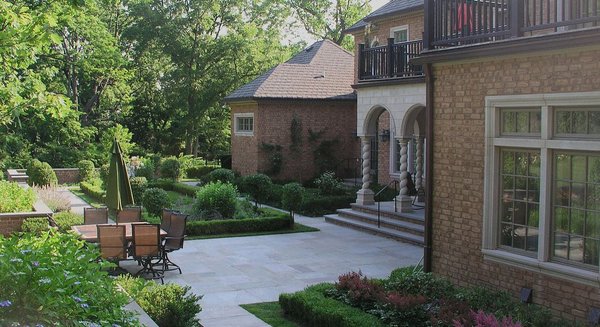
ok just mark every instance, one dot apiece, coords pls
pixel 385 135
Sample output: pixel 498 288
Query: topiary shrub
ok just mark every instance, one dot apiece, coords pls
pixel 15 198
pixel 292 197
pixel 35 225
pixel 220 175
pixel 41 174
pixel 154 200
pixel 328 184
pixel 138 187
pixel 216 197
pixel 258 186
pixel 65 219
pixel 170 168
pixel 87 171
pixel 104 170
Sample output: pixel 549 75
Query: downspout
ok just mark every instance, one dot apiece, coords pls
pixel 428 250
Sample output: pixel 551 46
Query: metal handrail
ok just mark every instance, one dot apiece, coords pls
pixel 396 183
pixel 348 163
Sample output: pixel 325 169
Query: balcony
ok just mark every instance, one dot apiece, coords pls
pixel 451 23
pixel 391 61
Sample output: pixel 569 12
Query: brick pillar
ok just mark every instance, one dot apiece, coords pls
pixel 365 196
pixel 403 201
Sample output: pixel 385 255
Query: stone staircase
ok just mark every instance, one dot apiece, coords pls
pixel 405 227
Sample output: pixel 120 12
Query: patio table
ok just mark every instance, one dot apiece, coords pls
pixel 89 233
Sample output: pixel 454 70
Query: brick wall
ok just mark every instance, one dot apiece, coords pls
pixel 244 149
pixel 67 175
pixel 458 166
pixel 381 31
pixel 383 160
pixel 272 121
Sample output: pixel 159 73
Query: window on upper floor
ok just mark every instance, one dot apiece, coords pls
pixel 542 183
pixel 399 33
pixel 244 124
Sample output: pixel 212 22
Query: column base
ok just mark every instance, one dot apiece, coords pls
pixel 404 203
pixel 365 197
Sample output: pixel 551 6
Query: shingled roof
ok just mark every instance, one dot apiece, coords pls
pixel 324 70
pixel 393 7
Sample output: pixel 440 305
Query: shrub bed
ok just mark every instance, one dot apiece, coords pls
pixel 318 205
pixel 65 219
pixel 313 308
pixel 199 171
pixel 185 189
pixel 15 198
pixel 234 226
pixel 93 190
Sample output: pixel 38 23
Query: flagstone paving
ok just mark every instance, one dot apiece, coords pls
pixel 234 271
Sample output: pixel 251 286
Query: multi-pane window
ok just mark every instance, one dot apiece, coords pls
pixel 542 195
pixel 520 191
pixel 399 34
pixel 576 208
pixel 244 124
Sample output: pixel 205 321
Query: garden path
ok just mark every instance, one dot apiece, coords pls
pixel 233 271
pixel 77 204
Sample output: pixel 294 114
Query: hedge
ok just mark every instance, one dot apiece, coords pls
pixel 199 171
pixel 312 308
pixel 93 191
pixel 165 184
pixel 168 185
pixel 234 226
pixel 321 205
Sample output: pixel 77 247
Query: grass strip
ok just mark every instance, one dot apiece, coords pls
pixel 271 313
pixel 298 228
pixel 91 201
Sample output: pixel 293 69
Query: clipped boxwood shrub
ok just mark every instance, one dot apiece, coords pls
pixel 36 225
pixel 87 171
pixel 292 197
pixel 199 171
pixel 104 171
pixel 15 198
pixel 220 175
pixel 138 187
pixel 154 200
pixel 314 309
pixel 218 197
pixel 258 186
pixel 235 226
pixel 93 190
pixel 65 219
pixel 167 305
pixel 315 206
pixel 41 174
pixel 165 184
pixel 170 168
pixel 185 189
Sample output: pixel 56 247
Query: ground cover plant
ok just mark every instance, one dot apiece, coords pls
pixel 15 198
pixel 410 297
pixel 54 279
pixel 55 199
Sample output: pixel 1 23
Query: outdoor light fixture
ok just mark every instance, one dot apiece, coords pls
pixel 526 295
pixel 594 316
pixel 385 135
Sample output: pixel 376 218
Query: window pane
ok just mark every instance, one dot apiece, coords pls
pixel 508 122
pixel 533 190
pixel 532 239
pixel 508 162
pixel 534 164
pixel 507 211
pixel 578 195
pixel 535 122
pixel 519 235
pixel 562 194
pixel 520 213
pixel 561 245
pixel 576 248
pixel 594 121
pixel 561 219
pixel 563 122
pixel 591 252
pixel 594 169
pixel 533 215
pixel 579 169
pixel 577 221
pixel 563 167
pixel 579 122
pixel 593 197
pixel 506 233
pixel 522 122
pixel 521 161
pixel 592 224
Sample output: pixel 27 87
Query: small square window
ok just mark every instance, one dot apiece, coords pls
pixel 244 124
pixel 577 122
pixel 399 34
pixel 520 122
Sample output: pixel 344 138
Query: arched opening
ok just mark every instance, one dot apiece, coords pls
pixel 413 134
pixel 380 127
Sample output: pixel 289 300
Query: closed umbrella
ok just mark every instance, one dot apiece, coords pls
pixel 118 188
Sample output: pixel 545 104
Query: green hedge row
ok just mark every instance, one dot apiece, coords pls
pixel 315 206
pixel 199 171
pixel 169 185
pixel 93 191
pixel 235 226
pixel 314 309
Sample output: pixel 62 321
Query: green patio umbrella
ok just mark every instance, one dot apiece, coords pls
pixel 118 188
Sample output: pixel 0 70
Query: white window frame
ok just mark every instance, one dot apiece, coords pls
pixel 236 127
pixel 400 28
pixel 546 144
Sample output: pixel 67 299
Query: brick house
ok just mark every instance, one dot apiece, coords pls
pixel 502 104
pixel 299 118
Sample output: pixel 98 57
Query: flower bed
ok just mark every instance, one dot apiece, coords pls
pixel 11 221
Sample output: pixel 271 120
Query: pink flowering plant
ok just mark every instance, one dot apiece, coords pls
pixel 55 279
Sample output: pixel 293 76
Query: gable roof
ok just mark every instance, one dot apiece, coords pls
pixel 323 70
pixel 393 7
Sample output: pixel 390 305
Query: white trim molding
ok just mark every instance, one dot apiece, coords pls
pixel 397 29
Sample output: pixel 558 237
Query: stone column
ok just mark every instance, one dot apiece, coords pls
pixel 419 170
pixel 403 201
pixel 365 196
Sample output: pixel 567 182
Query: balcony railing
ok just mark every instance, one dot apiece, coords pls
pixel 458 22
pixel 390 61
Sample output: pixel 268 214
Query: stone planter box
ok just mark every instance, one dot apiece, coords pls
pixel 11 222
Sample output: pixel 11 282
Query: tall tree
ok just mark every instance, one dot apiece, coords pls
pixel 327 19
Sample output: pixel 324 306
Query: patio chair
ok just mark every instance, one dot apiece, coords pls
pixel 173 241
pixel 165 219
pixel 146 247
pixel 129 215
pixel 112 242
pixel 95 216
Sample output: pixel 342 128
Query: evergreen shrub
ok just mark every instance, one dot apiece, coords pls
pixel 154 200
pixel 41 174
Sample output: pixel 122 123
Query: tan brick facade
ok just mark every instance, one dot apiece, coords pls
pixel 458 166
pixel 272 125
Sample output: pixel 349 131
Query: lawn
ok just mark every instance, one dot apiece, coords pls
pixel 271 313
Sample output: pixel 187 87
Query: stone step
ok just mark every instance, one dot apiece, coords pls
pixel 410 226
pixel 373 229
pixel 415 217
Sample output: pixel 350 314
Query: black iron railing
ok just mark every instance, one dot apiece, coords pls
pixel 377 198
pixel 389 61
pixel 458 22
